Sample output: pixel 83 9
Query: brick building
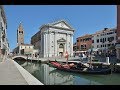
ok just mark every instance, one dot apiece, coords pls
pixel 84 42
pixel 118 33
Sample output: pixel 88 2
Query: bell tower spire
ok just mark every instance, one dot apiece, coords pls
pixel 20 35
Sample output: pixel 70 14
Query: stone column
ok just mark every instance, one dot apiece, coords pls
pixel 66 42
pixel 54 43
pixel 45 37
pixel 41 47
pixel 43 41
pixel 49 44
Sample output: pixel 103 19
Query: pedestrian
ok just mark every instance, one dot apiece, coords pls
pixel 74 54
pixel 81 56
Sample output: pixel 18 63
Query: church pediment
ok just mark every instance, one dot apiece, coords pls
pixel 61 24
pixel 61 40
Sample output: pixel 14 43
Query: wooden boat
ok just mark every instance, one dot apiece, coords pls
pixel 71 67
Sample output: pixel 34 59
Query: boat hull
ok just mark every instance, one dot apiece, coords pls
pixel 81 71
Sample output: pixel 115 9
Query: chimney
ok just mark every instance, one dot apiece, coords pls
pixel 105 28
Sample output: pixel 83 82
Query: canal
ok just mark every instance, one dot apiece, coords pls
pixel 50 76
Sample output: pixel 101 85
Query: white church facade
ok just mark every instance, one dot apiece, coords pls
pixel 54 39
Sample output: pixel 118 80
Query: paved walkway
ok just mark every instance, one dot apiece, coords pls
pixel 10 75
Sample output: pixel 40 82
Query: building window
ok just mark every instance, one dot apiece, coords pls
pixel 82 46
pixel 61 46
pixel 101 45
pixel 110 39
pixel 97 40
pixel 108 45
pixel 97 46
pixel 92 41
pixel 77 40
pixel 101 40
pixel 83 40
pixel 105 45
pixel 105 39
pixel 20 32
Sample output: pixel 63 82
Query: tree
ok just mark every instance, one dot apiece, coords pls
pixel 111 47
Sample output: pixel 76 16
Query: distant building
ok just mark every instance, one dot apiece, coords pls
pixel 104 39
pixel 24 49
pixel 118 33
pixel 4 45
pixel 36 40
pixel 54 39
pixel 20 35
pixel 84 42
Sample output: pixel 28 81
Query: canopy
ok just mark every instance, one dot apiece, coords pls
pixel 97 49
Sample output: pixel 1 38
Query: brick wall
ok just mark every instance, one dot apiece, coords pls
pixel 88 43
pixel 118 23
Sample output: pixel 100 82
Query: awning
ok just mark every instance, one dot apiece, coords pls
pixel 27 52
pixel 96 49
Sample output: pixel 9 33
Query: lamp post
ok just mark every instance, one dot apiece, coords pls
pixel 91 49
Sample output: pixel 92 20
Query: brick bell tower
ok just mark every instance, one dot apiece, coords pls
pixel 118 33
pixel 118 23
pixel 20 35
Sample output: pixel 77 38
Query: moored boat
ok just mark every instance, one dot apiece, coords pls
pixel 71 67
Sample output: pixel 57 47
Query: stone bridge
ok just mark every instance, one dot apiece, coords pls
pixel 19 56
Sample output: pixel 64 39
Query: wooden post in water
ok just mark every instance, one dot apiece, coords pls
pixel 66 56
pixel 90 61
pixel 111 67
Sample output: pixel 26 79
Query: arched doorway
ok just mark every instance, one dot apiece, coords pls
pixel 61 49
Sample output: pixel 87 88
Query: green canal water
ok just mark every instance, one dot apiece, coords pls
pixel 51 76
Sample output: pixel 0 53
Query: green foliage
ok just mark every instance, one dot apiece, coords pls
pixel 95 60
pixel 111 47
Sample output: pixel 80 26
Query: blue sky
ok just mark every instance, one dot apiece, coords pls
pixel 85 19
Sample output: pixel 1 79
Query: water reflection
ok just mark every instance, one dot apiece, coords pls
pixel 51 76
pixel 76 78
